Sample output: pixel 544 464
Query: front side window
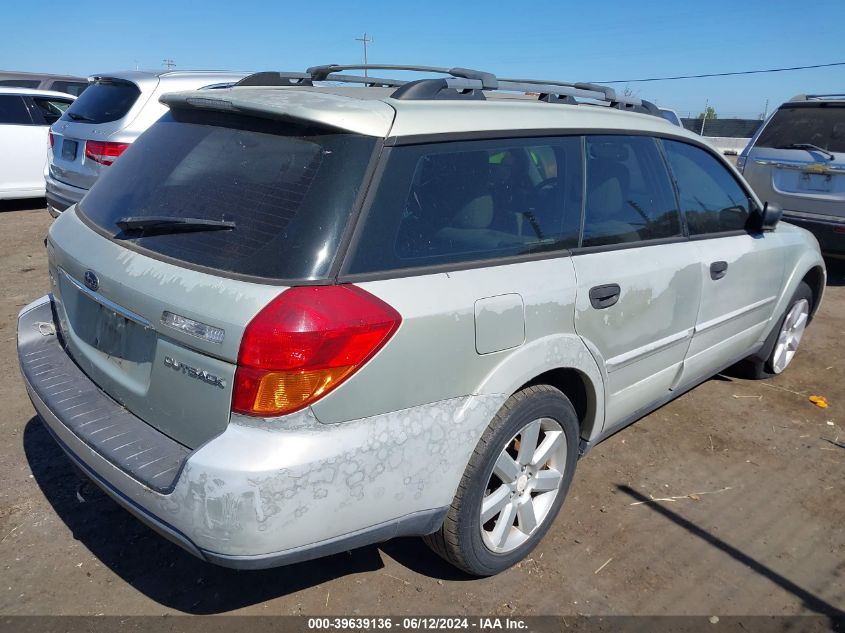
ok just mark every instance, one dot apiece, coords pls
pixel 458 202
pixel 629 194
pixel 51 109
pixel 13 111
pixel 710 196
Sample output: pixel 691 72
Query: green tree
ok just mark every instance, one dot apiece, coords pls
pixel 709 114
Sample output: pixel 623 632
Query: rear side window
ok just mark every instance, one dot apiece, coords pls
pixel 821 125
pixel 710 196
pixel 289 191
pixel 629 193
pixel 458 202
pixel 51 109
pixel 13 111
pixel 74 88
pixel 104 101
pixel 21 83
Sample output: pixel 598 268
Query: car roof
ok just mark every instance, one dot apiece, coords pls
pixel 155 76
pixel 33 92
pixel 16 74
pixel 817 99
pixel 373 111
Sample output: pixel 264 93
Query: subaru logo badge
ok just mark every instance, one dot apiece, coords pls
pixel 91 280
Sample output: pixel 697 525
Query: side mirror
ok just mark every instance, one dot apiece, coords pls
pixel 770 216
pixel 765 219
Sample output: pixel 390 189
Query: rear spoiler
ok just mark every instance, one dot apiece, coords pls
pixel 311 108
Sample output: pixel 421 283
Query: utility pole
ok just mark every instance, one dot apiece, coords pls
pixel 168 63
pixel 766 110
pixel 704 116
pixel 364 41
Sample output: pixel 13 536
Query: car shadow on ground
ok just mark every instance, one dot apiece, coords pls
pixel 810 601
pixel 24 204
pixel 169 575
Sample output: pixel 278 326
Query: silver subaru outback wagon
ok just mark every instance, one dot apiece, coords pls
pixel 318 310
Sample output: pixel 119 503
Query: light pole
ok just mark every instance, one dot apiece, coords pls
pixel 364 41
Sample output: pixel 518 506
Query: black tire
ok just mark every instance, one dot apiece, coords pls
pixel 759 368
pixel 459 539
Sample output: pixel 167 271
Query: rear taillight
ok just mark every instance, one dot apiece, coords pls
pixel 52 140
pixel 104 152
pixel 306 342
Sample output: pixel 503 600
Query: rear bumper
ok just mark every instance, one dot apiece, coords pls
pixel 829 230
pixel 264 492
pixel 60 195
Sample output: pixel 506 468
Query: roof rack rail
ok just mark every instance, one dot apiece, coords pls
pixel 460 83
pixel 831 96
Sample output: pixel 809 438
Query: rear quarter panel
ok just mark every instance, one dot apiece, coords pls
pixel 434 356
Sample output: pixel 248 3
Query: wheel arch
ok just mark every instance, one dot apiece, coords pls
pixel 815 278
pixel 562 361
pixel 578 388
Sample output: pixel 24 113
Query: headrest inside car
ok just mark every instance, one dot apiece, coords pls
pixel 609 151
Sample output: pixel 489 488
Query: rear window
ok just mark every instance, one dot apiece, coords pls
pixel 103 101
pixel 822 125
pixel 289 190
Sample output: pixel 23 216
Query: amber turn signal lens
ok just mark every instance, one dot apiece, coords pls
pixel 280 392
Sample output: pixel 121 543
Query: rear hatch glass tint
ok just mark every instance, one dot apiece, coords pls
pixel 819 124
pixel 284 191
pixel 104 101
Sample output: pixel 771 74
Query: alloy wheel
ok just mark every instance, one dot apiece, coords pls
pixel 790 335
pixel 522 488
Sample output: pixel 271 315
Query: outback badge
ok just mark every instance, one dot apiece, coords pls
pixel 193 372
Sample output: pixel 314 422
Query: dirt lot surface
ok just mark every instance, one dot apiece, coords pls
pixel 749 517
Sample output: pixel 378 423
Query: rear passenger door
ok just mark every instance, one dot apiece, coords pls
pixel 740 273
pixel 639 282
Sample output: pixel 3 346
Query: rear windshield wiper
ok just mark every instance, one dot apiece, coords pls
pixel 80 117
pixel 808 147
pixel 163 225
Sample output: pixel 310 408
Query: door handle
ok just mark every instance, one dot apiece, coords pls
pixel 718 270
pixel 602 297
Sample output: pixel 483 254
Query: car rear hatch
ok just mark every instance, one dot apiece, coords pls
pixel 798 161
pixel 104 109
pixel 204 220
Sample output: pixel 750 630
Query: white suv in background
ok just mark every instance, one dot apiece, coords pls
pixel 25 119
pixel 107 118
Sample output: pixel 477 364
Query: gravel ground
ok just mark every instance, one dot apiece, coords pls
pixel 749 518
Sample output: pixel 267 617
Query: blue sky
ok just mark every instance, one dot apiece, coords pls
pixel 562 39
